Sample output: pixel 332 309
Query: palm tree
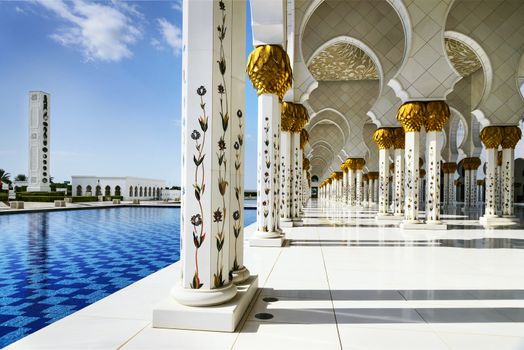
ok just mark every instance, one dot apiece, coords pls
pixel 4 177
pixel 21 177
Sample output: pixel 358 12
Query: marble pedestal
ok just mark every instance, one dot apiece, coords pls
pixel 219 318
pixel 496 220
pixel 423 226
pixel 257 241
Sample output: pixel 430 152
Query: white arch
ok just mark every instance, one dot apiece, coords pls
pixel 457 117
pixel 329 109
pixel 328 121
pixel 322 142
pixel 481 55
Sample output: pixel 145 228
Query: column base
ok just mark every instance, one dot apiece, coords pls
pixel 286 223
pixel 203 297
pixel 219 318
pixel 241 275
pixel 429 225
pixel 389 217
pixel 266 239
pixel 493 220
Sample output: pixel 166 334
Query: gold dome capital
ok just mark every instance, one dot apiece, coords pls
pixel 437 115
pixel 411 116
pixel 269 70
pixel 383 137
pixel 491 136
pixel 512 135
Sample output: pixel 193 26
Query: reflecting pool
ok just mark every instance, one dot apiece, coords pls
pixel 55 263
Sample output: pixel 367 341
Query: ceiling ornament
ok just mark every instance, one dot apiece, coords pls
pixel 343 61
pixel 462 57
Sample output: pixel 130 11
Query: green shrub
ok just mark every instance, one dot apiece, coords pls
pixel 3 196
pixel 84 199
pixel 38 198
pixel 117 197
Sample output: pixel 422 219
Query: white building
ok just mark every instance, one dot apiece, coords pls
pixel 39 142
pixel 128 187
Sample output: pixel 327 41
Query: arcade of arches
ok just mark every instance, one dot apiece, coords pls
pixel 391 104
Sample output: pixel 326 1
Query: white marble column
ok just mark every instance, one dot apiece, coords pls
pixel 411 116
pixel 365 190
pixel 345 184
pixel 473 186
pixel 371 200
pixel 296 185
pixel 512 135
pixel 286 171
pixel 383 187
pixel 238 87
pixel 270 72
pixel 491 137
pixel 467 188
pixel 498 179
pixel 437 115
pixel 358 190
pixel 210 93
pixel 411 202
pixel 399 178
pixel 446 189
pixel 351 187
pixel 375 190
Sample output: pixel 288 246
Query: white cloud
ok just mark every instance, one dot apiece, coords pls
pixel 19 9
pixel 177 5
pixel 171 34
pixel 102 32
pixel 157 44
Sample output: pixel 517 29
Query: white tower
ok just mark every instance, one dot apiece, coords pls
pixel 39 145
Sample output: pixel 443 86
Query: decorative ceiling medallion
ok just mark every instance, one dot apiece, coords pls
pixel 343 61
pixel 462 57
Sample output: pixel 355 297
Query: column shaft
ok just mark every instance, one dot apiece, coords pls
pixel 491 182
pixel 508 161
pixel 286 175
pixel 359 188
pixel 383 164
pixel 412 176
pixel 399 182
pixel 433 176
pixel 268 166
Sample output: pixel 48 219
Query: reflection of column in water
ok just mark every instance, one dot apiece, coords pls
pixel 37 242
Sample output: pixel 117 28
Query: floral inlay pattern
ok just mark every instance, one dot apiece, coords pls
pixel 462 57
pixel 197 220
pixel 220 213
pixel 343 61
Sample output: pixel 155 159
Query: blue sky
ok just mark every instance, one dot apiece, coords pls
pixel 113 71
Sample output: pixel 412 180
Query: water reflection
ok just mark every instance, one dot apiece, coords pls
pixel 37 248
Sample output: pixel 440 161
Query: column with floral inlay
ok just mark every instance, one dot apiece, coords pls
pixel 269 70
pixel 411 117
pixel 512 135
pixel 491 137
pixel 437 115
pixel 398 145
pixel 383 137
pixel 359 195
pixel 212 100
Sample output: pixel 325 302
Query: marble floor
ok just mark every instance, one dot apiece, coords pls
pixel 341 282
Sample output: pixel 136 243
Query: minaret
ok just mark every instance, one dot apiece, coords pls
pixel 39 145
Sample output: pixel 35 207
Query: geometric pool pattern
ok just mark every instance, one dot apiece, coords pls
pixel 55 263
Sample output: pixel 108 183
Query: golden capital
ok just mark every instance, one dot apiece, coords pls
pixel 499 158
pixel 383 137
pixel 339 175
pixel 304 138
pixel 512 135
pixel 365 177
pixel 491 136
pixel 392 166
pixel 294 116
pixel 398 138
pixel 437 115
pixel 471 163
pixel 344 167
pixel 411 116
pixel 329 180
pixel 269 70
pixel 420 162
pixel 449 168
pixel 305 164
pixel 373 175
pixel 480 182
pixel 422 173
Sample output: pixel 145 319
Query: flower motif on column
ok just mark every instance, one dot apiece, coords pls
pixel 491 137
pixel 411 117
